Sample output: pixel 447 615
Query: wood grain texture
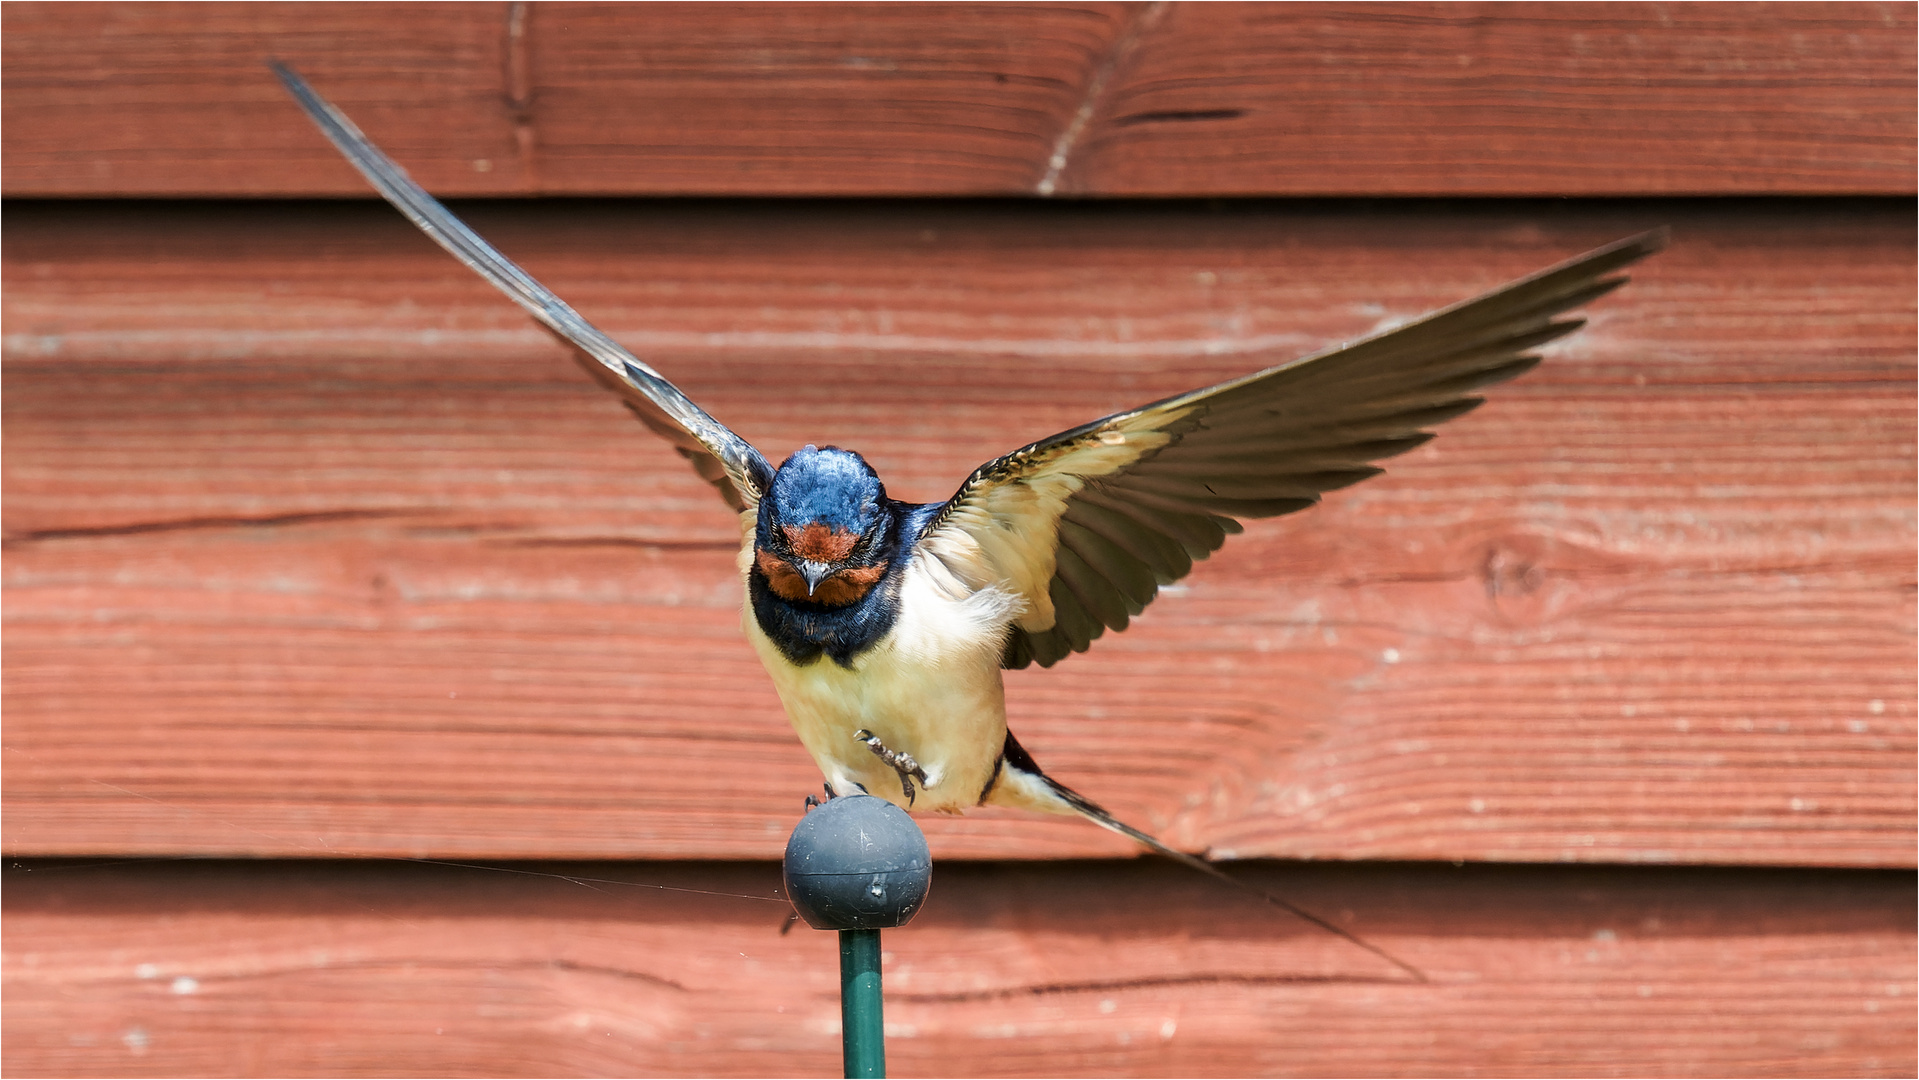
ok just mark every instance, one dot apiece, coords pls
pixel 1061 970
pixel 1497 99
pixel 317 547
pixel 1203 99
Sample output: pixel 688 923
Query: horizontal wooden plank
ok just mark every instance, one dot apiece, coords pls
pixel 1498 99
pixel 1097 99
pixel 316 547
pixel 1059 970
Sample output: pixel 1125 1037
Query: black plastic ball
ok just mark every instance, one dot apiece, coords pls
pixel 857 863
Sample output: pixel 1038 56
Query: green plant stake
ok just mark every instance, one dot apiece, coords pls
pixel 862 1013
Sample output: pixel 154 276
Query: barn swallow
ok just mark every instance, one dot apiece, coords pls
pixel 885 625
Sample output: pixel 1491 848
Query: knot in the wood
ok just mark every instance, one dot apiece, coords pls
pixel 857 863
pixel 1511 573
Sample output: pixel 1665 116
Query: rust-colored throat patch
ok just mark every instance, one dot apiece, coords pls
pixel 817 543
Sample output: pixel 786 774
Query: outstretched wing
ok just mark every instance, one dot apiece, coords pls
pixel 724 459
pixel 1086 525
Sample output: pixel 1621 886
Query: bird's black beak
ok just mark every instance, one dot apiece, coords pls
pixel 814 573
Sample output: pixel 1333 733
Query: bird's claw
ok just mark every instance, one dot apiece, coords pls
pixel 902 764
pixel 815 801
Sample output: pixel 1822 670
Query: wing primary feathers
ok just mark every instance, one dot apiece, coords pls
pixel 1227 505
pixel 1325 452
pixel 1217 483
pixel 1198 532
pixel 1184 503
pixel 1300 396
pixel 1477 380
pixel 1244 480
pixel 747 471
pixel 1098 507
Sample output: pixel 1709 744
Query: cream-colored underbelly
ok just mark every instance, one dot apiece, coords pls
pixel 930 689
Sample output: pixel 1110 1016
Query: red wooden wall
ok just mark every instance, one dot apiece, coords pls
pixel 319 558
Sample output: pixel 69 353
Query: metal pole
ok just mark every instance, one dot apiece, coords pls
pixel 862 1016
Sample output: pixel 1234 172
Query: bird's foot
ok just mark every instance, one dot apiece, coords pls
pixel 899 762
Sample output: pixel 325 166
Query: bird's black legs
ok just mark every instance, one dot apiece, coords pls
pixel 900 763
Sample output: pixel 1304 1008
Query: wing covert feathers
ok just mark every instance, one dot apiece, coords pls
pixel 721 457
pixel 1087 524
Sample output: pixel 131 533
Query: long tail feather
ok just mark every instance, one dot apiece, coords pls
pixel 1098 815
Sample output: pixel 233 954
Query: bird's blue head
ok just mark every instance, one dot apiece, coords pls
pixel 822 531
